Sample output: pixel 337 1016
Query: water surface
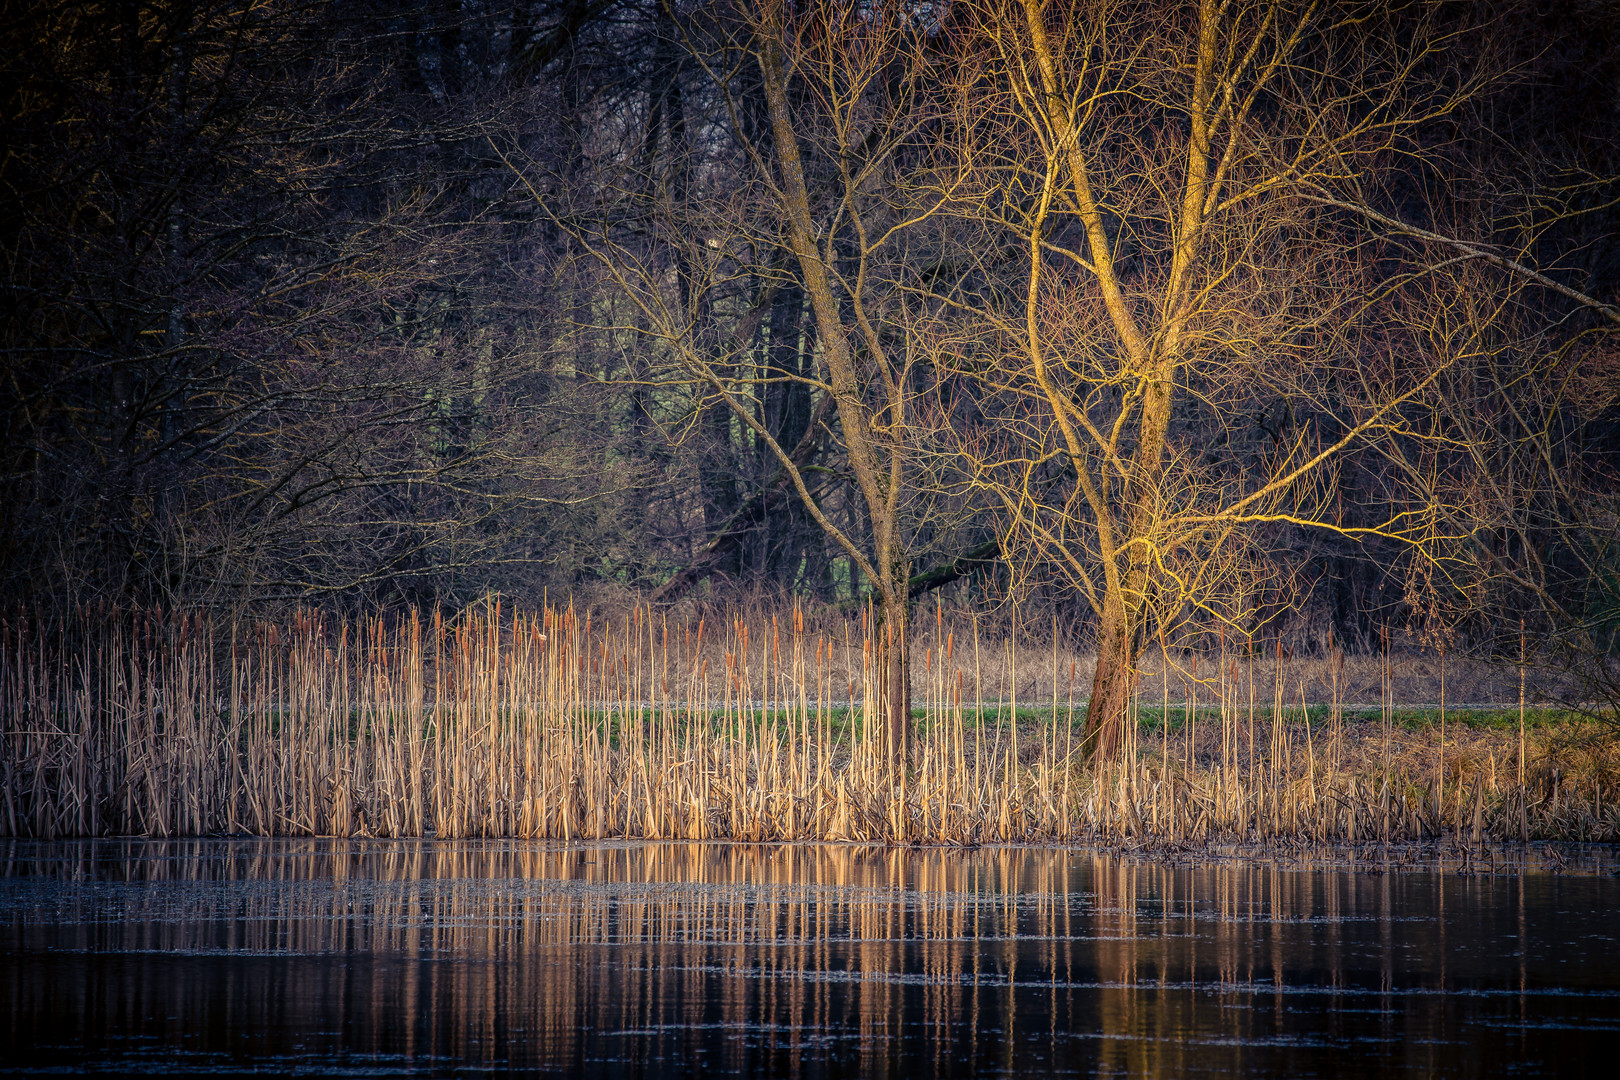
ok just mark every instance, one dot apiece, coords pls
pixel 408 958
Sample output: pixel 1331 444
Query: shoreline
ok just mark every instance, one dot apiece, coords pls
pixel 1442 857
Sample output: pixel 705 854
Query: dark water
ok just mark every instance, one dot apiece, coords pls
pixel 411 958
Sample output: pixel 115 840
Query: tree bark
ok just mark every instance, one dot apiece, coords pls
pixel 1113 682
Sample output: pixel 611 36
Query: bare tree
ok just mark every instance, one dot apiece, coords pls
pixel 814 169
pixel 1187 314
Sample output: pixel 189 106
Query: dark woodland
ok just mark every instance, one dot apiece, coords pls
pixel 1286 320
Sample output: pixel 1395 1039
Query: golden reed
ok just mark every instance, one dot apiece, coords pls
pixel 542 726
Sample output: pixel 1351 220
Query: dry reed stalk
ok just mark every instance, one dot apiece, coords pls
pixel 552 725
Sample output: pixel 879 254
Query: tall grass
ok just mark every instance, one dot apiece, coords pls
pixel 555 725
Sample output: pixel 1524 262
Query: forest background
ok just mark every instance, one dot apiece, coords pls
pixel 1166 321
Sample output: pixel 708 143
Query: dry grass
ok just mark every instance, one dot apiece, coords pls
pixel 547 726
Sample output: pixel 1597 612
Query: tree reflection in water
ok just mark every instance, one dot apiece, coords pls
pixel 629 959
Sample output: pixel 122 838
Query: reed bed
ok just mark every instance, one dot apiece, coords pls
pixel 552 725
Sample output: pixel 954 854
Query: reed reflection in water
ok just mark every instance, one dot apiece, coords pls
pixel 411 957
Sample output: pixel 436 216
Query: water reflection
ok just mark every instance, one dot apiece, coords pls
pixel 416 957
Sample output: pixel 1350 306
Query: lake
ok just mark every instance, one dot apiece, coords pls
pixel 420 958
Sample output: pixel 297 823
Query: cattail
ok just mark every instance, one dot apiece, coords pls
pixel 505 723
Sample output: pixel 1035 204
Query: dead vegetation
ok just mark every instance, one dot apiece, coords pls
pixel 558 725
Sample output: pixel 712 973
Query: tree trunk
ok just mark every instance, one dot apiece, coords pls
pixel 1112 683
pixel 787 408
pixel 894 638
